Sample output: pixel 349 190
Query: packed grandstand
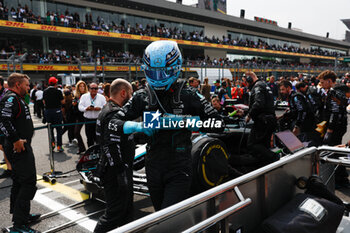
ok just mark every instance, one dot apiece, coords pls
pixel 235 48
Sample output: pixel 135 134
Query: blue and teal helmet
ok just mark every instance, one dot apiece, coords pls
pixel 162 63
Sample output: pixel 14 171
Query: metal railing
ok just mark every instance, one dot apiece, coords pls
pixel 174 210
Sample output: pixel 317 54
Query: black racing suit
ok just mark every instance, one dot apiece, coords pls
pixel 168 160
pixel 336 116
pixel 303 115
pixel 117 155
pixel 261 110
pixel 16 123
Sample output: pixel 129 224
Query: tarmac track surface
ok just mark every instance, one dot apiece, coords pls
pixel 68 190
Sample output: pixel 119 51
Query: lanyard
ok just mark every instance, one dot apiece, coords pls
pixel 93 100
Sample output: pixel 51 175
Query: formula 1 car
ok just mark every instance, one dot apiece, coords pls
pixel 216 158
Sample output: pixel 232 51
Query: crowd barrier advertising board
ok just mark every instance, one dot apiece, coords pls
pixel 59 29
pixel 74 68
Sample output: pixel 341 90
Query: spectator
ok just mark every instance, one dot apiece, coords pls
pixel 53 100
pixel 81 89
pixel 223 92
pixel 91 104
pixel 68 116
pixel 33 98
pixel 216 87
pixel 143 83
pixel 205 89
pixel 39 102
pixel 273 86
pixel 193 82
pixel 237 92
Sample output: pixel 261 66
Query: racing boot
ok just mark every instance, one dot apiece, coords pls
pixel 33 218
pixel 22 229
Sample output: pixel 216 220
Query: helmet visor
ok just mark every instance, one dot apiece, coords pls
pixel 160 74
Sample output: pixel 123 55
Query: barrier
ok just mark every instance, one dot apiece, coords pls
pixel 53 174
pixel 222 203
pixel 258 194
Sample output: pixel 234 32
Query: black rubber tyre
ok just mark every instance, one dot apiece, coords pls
pixel 209 162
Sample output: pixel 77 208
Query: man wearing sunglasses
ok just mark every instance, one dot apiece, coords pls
pixel 91 104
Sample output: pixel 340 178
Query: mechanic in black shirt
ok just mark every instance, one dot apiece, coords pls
pixel 118 150
pixel 261 110
pixel 287 119
pixel 17 126
pixel 53 100
pixel 304 117
pixel 217 105
pixel 336 116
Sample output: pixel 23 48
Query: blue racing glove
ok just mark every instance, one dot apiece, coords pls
pixel 133 127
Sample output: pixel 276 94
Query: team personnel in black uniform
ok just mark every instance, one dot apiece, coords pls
pixel 304 115
pixel 300 117
pixel 336 116
pixel 286 120
pixel 16 123
pixel 168 160
pixel 261 110
pixel 118 151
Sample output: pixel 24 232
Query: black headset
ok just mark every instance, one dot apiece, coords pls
pixel 248 79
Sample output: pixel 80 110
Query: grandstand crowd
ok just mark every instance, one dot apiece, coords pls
pixel 62 56
pixel 69 19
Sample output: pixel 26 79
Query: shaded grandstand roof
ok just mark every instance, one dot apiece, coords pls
pixel 346 22
pixel 177 10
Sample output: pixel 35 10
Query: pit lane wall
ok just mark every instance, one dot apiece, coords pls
pixel 27 27
pixel 239 205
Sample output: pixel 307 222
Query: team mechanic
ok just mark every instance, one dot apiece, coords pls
pixel 17 126
pixel 168 160
pixel 118 152
pixel 335 114
pixel 301 113
pixel 261 110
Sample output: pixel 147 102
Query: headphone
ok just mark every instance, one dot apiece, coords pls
pixel 249 79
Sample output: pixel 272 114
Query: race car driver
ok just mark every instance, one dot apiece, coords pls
pixel 168 161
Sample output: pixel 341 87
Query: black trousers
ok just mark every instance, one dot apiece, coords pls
pixel 69 119
pixel 54 116
pixel 24 182
pixel 259 140
pixel 118 188
pixel 77 135
pixel 90 131
pixel 169 177
pixel 39 108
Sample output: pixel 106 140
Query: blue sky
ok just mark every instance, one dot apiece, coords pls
pixel 311 16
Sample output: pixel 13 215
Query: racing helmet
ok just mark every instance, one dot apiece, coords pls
pixel 162 63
